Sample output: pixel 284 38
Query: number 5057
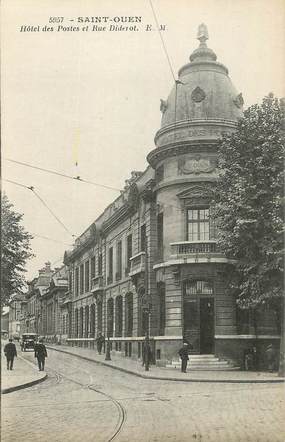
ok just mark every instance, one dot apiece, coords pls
pixel 55 19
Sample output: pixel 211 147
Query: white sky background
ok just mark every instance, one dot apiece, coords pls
pixel 101 92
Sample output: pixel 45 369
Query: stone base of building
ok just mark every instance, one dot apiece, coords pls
pixel 165 348
pixel 234 347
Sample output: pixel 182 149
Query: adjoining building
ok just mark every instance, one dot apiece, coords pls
pixel 15 315
pixel 33 318
pixel 42 310
pixel 150 264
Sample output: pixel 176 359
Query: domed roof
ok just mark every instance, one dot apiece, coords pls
pixel 203 95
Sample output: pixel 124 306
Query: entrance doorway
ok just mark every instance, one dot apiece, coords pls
pixel 199 316
pixel 206 325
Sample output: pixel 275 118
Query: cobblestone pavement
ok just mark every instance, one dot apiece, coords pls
pixel 81 401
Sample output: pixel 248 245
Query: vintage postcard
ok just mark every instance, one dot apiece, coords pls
pixel 142 288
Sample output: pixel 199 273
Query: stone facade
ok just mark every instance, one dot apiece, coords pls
pixel 149 265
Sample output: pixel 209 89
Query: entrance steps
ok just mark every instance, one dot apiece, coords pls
pixel 204 362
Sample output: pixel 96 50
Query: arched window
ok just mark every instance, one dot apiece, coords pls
pixel 143 312
pixel 129 314
pixel 81 322
pixel 86 329
pixel 119 316
pixel 110 317
pixel 76 323
pixel 92 321
pixel 99 316
pixel 199 288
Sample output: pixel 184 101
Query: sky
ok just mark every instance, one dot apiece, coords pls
pixel 93 97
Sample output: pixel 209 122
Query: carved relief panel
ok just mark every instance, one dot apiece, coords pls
pixel 196 164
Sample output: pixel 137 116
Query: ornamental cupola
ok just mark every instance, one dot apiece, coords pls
pixel 202 104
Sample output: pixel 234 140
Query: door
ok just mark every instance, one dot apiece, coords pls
pixel 199 324
pixel 206 325
pixel 191 329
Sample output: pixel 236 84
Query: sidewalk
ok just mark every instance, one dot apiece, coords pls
pixel 24 374
pixel 135 368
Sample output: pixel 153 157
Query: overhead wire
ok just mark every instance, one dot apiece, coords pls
pixel 78 178
pixel 162 41
pixel 54 172
pixel 50 239
pixel 43 202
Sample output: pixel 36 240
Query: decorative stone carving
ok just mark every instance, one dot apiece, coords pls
pixel 163 105
pixel 198 95
pixel 133 197
pixel 147 193
pixel 196 165
pixel 98 298
pixel 176 274
pixel 203 34
pixel 238 101
pixel 197 194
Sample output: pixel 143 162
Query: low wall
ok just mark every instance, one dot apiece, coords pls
pixel 234 347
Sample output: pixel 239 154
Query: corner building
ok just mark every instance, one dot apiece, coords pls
pixel 150 262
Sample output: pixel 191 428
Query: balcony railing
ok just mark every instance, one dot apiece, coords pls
pixel 186 248
pixel 137 263
pixel 96 283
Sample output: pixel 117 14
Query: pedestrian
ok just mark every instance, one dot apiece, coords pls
pixel 146 353
pixel 10 352
pixel 271 358
pixel 184 356
pixel 100 341
pixel 41 354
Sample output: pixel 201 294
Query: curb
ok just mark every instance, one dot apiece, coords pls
pixel 165 378
pixel 25 385
pixel 22 386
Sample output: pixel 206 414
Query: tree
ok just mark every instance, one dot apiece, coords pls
pixel 250 205
pixel 16 251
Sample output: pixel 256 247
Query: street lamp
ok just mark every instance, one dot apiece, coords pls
pixel 146 310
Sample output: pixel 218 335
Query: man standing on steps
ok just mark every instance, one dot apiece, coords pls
pixel 40 354
pixel 184 356
pixel 10 352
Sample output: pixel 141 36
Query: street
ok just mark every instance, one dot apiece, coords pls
pixel 81 400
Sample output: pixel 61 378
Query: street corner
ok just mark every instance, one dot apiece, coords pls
pixel 23 375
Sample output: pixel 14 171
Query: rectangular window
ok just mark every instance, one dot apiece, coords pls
pixel 160 236
pixel 93 268
pixel 110 262
pixel 81 275
pixel 198 221
pixel 129 251
pixel 162 316
pixel 70 281
pixel 119 260
pixel 143 238
pixel 87 282
pixel 76 281
pixel 100 264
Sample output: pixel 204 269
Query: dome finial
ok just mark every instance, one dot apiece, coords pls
pixel 202 34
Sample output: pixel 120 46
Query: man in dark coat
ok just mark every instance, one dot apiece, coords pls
pixel 271 358
pixel 100 341
pixel 10 352
pixel 183 353
pixel 40 354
